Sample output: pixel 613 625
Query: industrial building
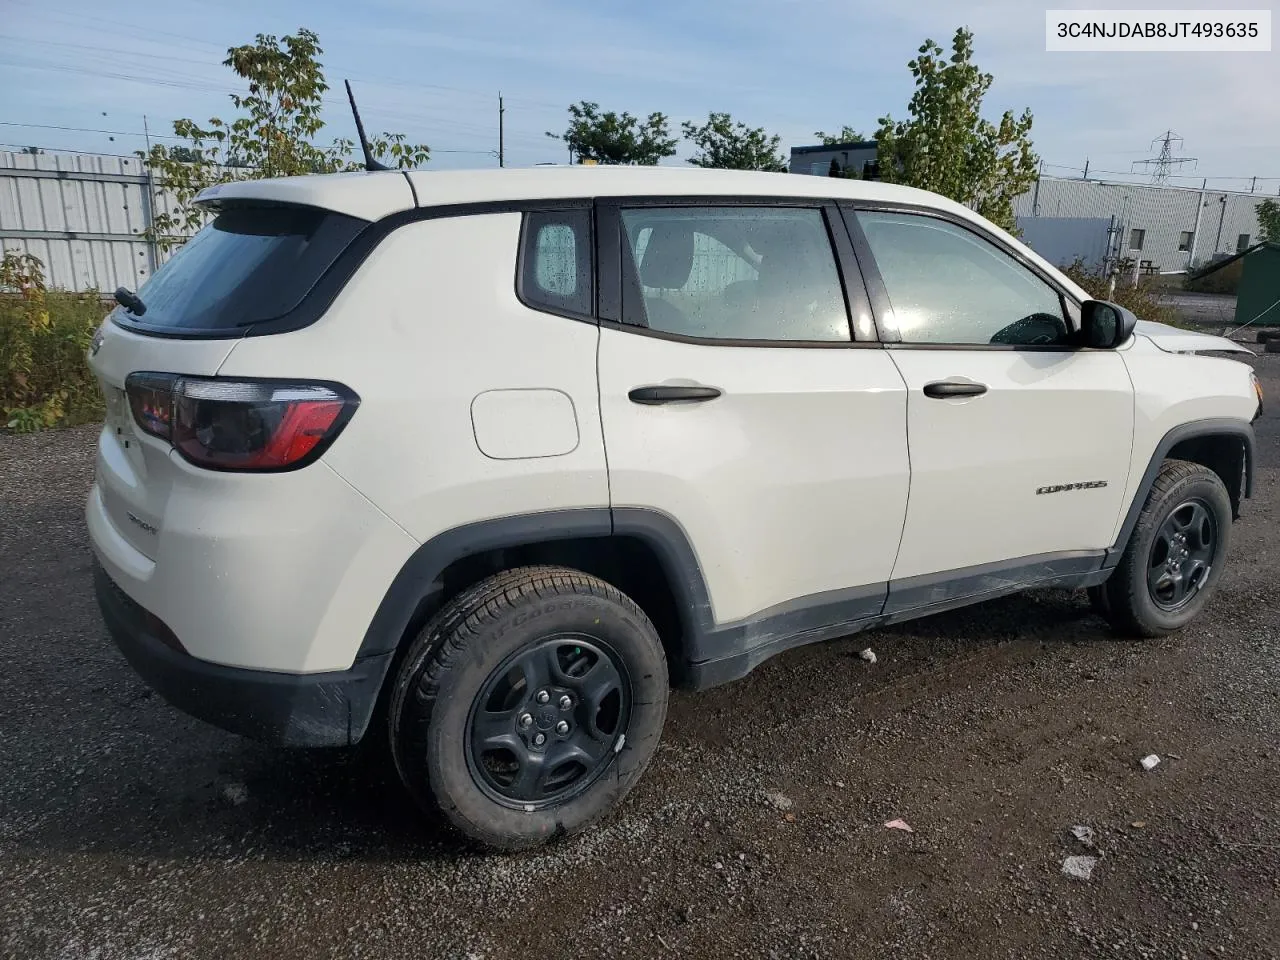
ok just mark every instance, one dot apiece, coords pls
pixel 1161 229
pixel 857 156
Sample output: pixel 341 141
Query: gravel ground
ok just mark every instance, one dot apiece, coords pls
pixel 130 831
pixel 1204 309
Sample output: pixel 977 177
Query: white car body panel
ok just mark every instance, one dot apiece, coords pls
pixel 413 334
pixel 1170 390
pixel 1047 418
pixel 369 196
pixel 792 483
pixel 218 556
pixel 1173 340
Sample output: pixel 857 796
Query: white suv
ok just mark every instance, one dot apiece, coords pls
pixel 487 460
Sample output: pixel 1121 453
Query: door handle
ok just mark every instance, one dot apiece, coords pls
pixel 651 396
pixel 942 389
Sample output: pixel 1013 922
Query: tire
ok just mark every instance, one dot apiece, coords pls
pixel 1273 345
pixel 1183 493
pixel 553 630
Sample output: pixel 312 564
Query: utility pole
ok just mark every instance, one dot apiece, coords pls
pixel 1035 200
pixel 1253 186
pixel 151 203
pixel 1162 163
pixel 502 158
pixel 1195 229
pixel 1086 168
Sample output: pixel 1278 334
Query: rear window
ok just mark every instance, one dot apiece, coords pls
pixel 249 265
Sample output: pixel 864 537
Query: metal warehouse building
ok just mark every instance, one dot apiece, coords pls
pixel 1162 229
pixel 1165 229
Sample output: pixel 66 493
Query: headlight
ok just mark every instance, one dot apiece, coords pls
pixel 1257 388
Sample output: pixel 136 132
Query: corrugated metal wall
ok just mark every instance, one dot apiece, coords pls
pixel 1063 240
pixel 83 215
pixel 1163 213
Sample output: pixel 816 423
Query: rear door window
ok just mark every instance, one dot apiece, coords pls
pixel 733 273
pixel 250 264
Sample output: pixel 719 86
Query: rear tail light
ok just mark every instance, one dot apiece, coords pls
pixel 224 424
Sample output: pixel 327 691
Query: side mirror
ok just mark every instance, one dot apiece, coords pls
pixel 1105 324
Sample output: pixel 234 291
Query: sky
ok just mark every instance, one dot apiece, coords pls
pixel 432 69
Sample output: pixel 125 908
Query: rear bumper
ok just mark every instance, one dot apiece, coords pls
pixel 287 709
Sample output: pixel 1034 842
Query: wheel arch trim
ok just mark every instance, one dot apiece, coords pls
pixel 1195 429
pixel 419 577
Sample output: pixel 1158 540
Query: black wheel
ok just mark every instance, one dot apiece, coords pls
pixel 1175 556
pixel 529 706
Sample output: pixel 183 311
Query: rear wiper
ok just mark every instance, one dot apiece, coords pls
pixel 130 301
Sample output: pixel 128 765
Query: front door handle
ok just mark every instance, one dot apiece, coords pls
pixel 651 396
pixel 941 389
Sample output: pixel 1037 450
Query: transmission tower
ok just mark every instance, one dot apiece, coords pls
pixel 1162 164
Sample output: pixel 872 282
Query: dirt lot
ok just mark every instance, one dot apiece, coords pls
pixel 130 831
pixel 1210 310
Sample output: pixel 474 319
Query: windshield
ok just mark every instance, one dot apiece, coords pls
pixel 250 264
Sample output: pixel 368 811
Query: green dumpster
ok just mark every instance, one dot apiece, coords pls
pixel 1258 297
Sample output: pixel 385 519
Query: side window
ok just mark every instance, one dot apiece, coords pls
pixel 733 273
pixel 555 272
pixel 948 285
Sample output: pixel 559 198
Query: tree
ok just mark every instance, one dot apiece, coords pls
pixel 616 138
pixel 273 135
pixel 32 150
pixel 846 135
pixel 845 173
pixel 947 147
pixel 1269 221
pixel 725 145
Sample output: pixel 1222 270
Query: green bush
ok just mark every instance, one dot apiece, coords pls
pixel 44 339
pixel 1143 300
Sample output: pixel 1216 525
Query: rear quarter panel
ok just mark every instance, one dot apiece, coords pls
pixel 428 324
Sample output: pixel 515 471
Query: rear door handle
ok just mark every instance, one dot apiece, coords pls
pixel 651 396
pixel 941 389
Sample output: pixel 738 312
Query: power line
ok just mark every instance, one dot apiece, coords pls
pixel 127 133
pixel 1175 176
pixel 113 56
pixel 394 114
pixel 47 149
pixel 53 126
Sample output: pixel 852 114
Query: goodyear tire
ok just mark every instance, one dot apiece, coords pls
pixel 529 706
